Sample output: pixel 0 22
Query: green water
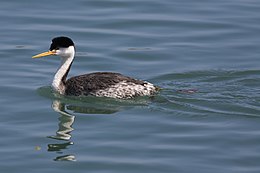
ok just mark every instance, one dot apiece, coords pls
pixel 205 56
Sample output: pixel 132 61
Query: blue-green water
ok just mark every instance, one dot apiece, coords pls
pixel 204 54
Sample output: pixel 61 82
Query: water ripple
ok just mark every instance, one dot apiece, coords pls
pixel 217 93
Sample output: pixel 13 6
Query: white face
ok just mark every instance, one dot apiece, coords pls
pixel 65 52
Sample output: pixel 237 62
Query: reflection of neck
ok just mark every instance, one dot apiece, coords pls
pixel 59 80
pixel 66 121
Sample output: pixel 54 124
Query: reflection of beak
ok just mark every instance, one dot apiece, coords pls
pixel 45 54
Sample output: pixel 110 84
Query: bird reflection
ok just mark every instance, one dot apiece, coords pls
pixel 67 109
pixel 63 133
pixel 66 120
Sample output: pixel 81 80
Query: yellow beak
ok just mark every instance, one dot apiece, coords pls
pixel 45 54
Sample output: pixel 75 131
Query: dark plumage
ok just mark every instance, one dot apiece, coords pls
pixel 91 83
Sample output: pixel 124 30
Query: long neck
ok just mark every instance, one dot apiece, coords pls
pixel 59 80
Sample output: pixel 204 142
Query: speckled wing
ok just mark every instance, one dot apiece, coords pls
pixel 92 83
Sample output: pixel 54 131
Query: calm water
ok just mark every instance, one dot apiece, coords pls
pixel 204 54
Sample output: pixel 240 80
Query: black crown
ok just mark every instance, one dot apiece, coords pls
pixel 61 42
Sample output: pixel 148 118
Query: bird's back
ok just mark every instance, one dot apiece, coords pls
pixel 108 84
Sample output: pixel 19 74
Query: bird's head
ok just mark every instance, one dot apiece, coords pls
pixel 62 46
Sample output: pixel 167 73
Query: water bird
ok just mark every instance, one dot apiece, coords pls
pixel 100 84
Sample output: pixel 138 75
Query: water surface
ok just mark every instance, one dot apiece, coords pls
pixel 205 56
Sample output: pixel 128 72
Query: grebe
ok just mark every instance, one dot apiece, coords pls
pixel 100 84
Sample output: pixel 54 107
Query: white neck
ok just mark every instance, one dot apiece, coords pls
pixel 67 56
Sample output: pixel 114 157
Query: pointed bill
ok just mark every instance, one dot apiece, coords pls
pixel 44 54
